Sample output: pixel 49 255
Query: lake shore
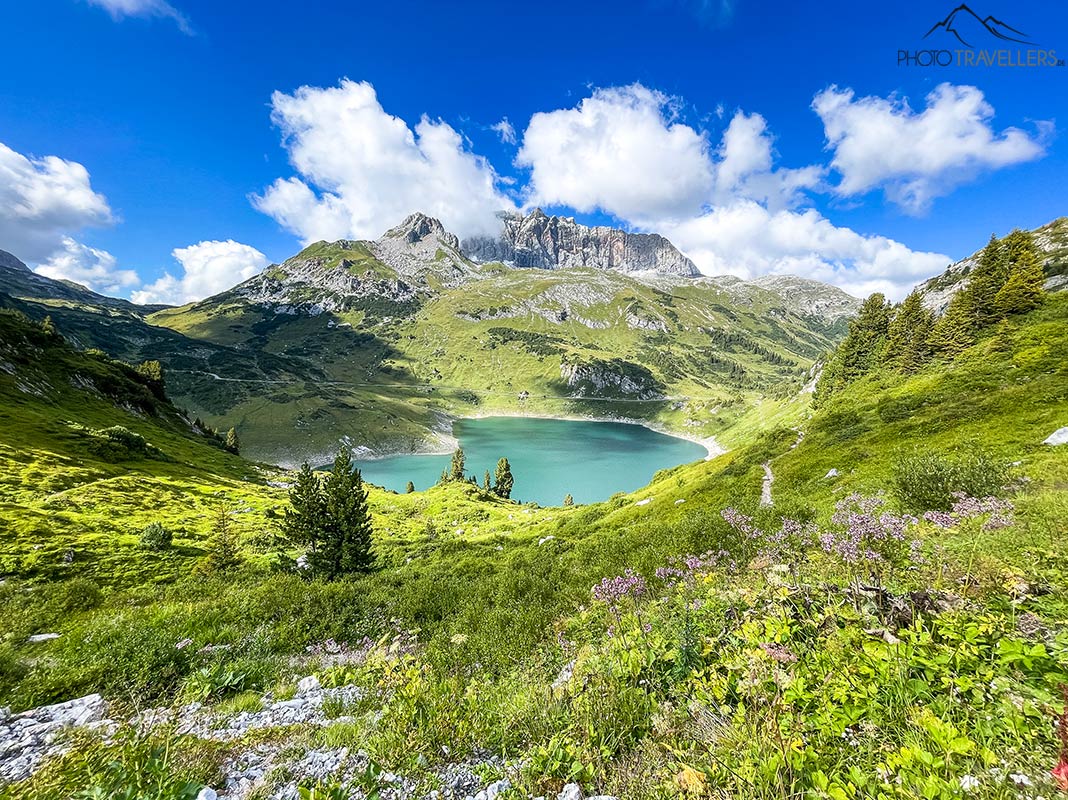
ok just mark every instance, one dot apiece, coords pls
pixel 448 442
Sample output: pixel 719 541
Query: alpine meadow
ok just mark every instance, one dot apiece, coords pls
pixel 578 456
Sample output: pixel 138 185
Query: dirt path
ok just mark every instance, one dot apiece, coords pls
pixel 765 490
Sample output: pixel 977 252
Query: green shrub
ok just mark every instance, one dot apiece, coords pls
pixel 155 537
pixel 929 481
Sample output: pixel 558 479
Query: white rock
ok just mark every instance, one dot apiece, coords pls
pixel 831 473
pixel 309 684
pixel 570 792
pixel 1059 436
pixel 644 502
pixel 207 793
pixel 680 501
pixel 545 539
pixel 497 787
pixel 43 637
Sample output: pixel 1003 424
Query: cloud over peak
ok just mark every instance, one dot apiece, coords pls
pixel 361 169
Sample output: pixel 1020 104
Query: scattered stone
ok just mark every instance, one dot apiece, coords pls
pixel 306 685
pixel 1059 436
pixel 680 501
pixel 644 502
pixel 545 539
pixel 570 792
pixel 42 637
pixel 831 473
pixel 207 793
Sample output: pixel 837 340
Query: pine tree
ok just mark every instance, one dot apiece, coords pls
pixel 1024 290
pixel 955 329
pixel 456 468
pixel 49 327
pixel 862 349
pixel 233 445
pixel 345 546
pixel 223 554
pixel 990 273
pixel 569 500
pixel 503 479
pixel 306 516
pixel 409 488
pixel 908 344
pixel 486 482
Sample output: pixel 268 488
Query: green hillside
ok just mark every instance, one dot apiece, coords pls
pixel 776 664
pixel 399 362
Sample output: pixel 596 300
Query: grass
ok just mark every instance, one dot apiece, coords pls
pixel 750 682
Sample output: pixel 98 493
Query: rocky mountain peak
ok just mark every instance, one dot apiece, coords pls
pixel 417 227
pixel 551 242
pixel 10 262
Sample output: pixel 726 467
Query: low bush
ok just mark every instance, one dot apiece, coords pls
pixel 927 481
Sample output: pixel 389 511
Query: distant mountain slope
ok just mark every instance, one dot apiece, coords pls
pixel 1052 241
pixel 408 332
pixel 538 240
pixel 18 280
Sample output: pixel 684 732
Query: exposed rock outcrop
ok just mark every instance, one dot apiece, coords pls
pixel 614 378
pixel 538 240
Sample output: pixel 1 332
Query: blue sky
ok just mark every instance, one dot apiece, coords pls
pixel 167 108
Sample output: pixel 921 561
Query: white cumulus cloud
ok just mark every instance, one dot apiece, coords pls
pixel 916 156
pixel 42 201
pixel 118 9
pixel 362 170
pixel 747 239
pixel 92 268
pixel 207 268
pixel 620 151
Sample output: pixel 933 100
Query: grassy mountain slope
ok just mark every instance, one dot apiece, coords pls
pixel 400 360
pixel 754 680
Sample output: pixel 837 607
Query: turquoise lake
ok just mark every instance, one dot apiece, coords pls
pixel 550 458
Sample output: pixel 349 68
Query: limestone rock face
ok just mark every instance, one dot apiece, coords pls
pixel 538 240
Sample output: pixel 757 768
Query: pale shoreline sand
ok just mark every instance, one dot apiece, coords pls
pixel 449 442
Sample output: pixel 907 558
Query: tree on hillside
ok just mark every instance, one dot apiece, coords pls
pixel 862 349
pixel 990 273
pixel 569 500
pixel 486 482
pixel 331 519
pixel 503 479
pixel 233 445
pixel 409 488
pixel 456 468
pixel 908 336
pixel 223 555
pixel 304 519
pixel 345 546
pixel 955 329
pixel 1025 287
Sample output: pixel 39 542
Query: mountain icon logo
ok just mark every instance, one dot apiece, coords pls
pixel 966 25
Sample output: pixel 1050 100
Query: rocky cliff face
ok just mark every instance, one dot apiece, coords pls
pixel 538 240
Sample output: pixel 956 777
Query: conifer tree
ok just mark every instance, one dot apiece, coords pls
pixel 223 554
pixel 345 546
pixel 233 445
pixel 503 479
pixel 569 500
pixel 1024 290
pixel 908 344
pixel 955 329
pixel 990 273
pixel 306 516
pixel 456 468
pixel 409 488
pixel 486 482
pixel 862 349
